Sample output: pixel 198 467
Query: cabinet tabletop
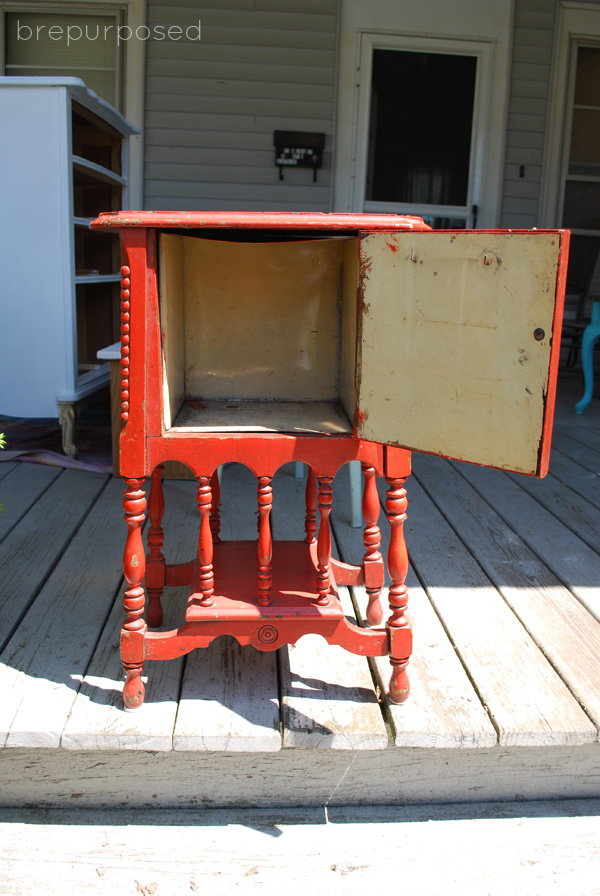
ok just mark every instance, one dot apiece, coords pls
pixel 298 221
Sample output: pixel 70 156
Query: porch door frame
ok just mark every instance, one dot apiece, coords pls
pixel 489 119
pixel 482 53
pixel 578 25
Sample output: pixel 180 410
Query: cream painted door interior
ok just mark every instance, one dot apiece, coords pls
pixel 455 343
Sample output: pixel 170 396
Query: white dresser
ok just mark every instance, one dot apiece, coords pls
pixel 63 159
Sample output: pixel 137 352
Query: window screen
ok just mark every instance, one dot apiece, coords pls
pixel 73 44
pixel 420 128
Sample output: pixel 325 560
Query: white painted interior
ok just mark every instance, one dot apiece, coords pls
pixel 245 322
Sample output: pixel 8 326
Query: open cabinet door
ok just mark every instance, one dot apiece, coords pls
pixel 458 343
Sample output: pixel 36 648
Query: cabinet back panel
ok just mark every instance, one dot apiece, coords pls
pixel 262 320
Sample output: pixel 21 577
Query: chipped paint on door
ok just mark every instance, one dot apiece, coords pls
pixel 455 343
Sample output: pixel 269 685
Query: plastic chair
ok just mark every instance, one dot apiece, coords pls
pixel 588 341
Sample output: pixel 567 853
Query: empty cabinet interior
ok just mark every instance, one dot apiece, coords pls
pixel 258 336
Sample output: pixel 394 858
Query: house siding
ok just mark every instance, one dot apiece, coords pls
pixel 531 69
pixel 212 106
pixel 265 65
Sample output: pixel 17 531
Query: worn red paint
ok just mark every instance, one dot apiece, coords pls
pixel 296 589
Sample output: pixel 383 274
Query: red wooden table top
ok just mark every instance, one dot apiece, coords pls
pixel 330 221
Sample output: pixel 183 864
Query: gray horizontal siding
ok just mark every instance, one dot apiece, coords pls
pixel 533 40
pixel 212 106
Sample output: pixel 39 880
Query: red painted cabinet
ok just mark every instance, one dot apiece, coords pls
pixel 263 338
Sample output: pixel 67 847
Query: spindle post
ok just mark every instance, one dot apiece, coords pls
pixel 396 504
pixel 265 541
pixel 372 561
pixel 134 566
pixel 310 519
pixel 204 577
pixel 215 511
pixel 324 541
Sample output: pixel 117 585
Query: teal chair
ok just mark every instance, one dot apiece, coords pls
pixel 588 341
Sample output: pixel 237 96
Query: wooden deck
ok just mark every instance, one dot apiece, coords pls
pixel 505 603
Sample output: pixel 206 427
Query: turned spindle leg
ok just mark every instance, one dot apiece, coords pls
pixel 155 562
pixel 373 561
pixel 205 582
pixel 134 564
pixel 265 541
pixel 396 504
pixel 324 540
pixel 215 514
pixel 310 520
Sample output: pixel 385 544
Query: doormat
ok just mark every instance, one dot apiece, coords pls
pixel 40 442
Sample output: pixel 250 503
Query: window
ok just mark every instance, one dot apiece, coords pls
pixel 581 185
pixel 114 72
pixel 77 44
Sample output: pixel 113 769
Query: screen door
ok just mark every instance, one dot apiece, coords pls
pixel 421 123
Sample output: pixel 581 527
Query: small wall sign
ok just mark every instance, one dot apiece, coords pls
pixel 298 149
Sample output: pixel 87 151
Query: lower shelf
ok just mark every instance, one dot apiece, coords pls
pixel 234 608
pixel 294 590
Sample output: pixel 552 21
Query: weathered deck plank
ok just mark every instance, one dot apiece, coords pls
pixel 527 700
pixel 22 486
pixel 43 664
pixel 505 641
pixel 229 700
pixel 575 511
pixel 143 779
pixel 33 547
pixel 97 720
pixel 328 697
pixel 572 561
pixel 229 697
pixel 540 847
pixel 565 631
pixel 444 710
pixel 577 478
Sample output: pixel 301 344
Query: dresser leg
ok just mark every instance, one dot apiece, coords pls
pixel 134 627
pixel 67 415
